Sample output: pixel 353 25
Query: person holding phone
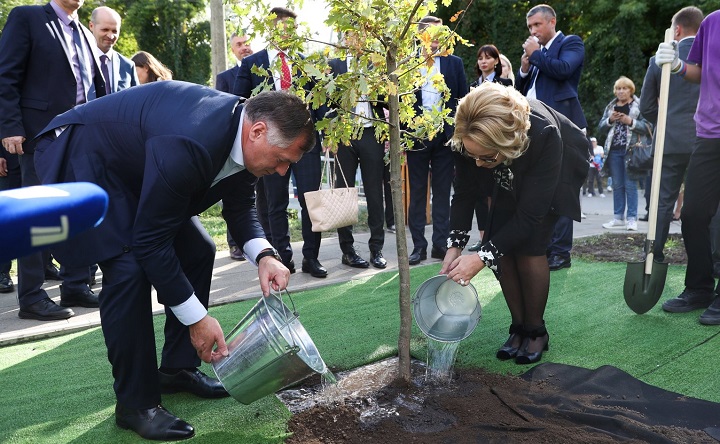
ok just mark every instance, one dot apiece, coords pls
pixel 625 127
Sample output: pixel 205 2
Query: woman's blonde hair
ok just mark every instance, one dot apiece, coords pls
pixel 495 117
pixel 624 81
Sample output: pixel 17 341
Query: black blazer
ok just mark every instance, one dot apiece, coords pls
pixel 36 79
pixel 547 179
pixel 156 150
pixel 225 81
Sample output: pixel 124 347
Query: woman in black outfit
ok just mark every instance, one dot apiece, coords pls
pixel 535 161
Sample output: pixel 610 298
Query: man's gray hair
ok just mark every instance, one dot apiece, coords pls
pixel 287 117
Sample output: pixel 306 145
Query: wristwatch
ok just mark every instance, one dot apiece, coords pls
pixel 268 252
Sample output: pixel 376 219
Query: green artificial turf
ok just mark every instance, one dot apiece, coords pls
pixel 60 389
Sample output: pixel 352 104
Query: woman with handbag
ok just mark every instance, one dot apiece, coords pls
pixel 626 129
pixel 534 161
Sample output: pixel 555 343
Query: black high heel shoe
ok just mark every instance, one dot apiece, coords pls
pixel 523 356
pixel 507 351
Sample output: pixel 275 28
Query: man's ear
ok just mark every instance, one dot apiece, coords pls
pixel 257 130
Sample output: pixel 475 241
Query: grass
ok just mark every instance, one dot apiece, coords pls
pixel 60 390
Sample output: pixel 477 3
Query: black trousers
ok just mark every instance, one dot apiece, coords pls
pixel 702 196
pixel 127 320
pixel 272 201
pixel 369 154
pixel 674 167
pixel 10 182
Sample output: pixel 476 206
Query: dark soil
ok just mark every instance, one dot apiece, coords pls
pixel 477 406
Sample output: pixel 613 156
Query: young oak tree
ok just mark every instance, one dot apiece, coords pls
pixel 386 52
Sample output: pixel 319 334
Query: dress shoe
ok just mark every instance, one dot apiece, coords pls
pixel 192 381
pixel 689 300
pixel 290 265
pixel 236 253
pixel 314 267
pixel 558 262
pixel 476 246
pixel 6 284
pixel 523 356
pixel 52 273
pixel 417 255
pixel 438 252
pixel 85 298
pixel 377 260
pixel 45 310
pixel 354 260
pixel 507 351
pixel 391 229
pixel 644 218
pixel 711 316
pixel 155 423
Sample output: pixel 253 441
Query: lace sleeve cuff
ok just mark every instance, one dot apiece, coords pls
pixel 491 256
pixel 458 239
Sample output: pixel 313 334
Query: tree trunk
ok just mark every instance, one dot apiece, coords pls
pixel 399 210
pixel 218 54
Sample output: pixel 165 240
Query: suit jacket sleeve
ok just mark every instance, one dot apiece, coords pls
pixel 243 82
pixel 176 168
pixel 15 46
pixel 569 59
pixel 649 93
pixel 221 84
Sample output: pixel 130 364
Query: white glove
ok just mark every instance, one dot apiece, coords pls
pixel 668 53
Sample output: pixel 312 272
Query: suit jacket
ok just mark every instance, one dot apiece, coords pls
pixel 338 67
pixel 496 79
pixel 682 103
pixel 36 79
pixel 156 150
pixel 225 81
pixel 453 71
pixel 559 76
pixel 124 74
pixel 547 179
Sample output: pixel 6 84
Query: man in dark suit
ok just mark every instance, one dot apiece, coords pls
pixel 162 162
pixel 224 82
pixel 550 70
pixel 435 153
pixel 680 125
pixel 272 191
pixel 9 179
pixel 47 66
pixel 105 26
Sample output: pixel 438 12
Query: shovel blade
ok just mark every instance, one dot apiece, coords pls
pixel 642 291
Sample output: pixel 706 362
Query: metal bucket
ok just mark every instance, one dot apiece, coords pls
pixel 269 350
pixel 445 310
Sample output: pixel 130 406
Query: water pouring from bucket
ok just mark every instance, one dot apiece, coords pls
pixel 269 350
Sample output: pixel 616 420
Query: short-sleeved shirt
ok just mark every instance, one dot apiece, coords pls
pixel 705 51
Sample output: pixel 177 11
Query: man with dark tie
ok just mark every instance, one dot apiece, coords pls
pixel 550 69
pixel 165 152
pixel 117 70
pixel 47 66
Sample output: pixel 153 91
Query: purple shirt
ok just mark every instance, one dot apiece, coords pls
pixel 705 52
pixel 65 20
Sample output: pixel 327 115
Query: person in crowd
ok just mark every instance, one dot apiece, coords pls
pixel 35 86
pixel 149 69
pixel 594 180
pixel 679 125
pixel 488 67
pixel 520 148
pixel 702 184
pixel 9 179
pixel 117 70
pixel 224 81
pixel 272 191
pixel 625 128
pixel 169 163
pixel 550 69
pixel 507 69
pixel 367 152
pixel 433 153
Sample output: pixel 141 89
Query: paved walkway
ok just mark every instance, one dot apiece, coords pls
pixel 235 281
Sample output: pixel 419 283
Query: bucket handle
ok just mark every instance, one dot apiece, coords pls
pixel 295 314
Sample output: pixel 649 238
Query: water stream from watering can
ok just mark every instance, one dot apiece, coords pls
pixel 441 360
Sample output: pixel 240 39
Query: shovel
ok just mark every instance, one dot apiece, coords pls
pixel 645 281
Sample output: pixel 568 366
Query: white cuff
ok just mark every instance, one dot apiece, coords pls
pixel 253 247
pixel 190 311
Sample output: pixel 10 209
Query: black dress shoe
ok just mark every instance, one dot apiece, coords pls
pixel 417 255
pixel 438 252
pixel 377 260
pixel 52 273
pixel 558 263
pixel 290 265
pixel 523 355
pixel 195 382
pixel 354 260
pixel 85 298
pixel 6 284
pixel 236 253
pixel 314 267
pixel 645 218
pixel 507 351
pixel 45 310
pixel 155 423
